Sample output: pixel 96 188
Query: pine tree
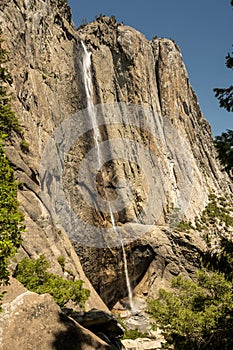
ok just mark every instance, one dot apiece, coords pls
pixel 225 95
pixel 224 142
pixel 224 146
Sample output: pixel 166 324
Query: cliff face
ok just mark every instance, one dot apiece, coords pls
pixel 173 183
pixel 160 162
pixel 40 40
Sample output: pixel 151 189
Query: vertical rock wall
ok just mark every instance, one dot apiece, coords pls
pixel 40 40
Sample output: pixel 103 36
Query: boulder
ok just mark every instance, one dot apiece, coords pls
pixel 142 344
pixel 100 323
pixel 35 322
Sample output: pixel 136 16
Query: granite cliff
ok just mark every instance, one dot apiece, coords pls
pixel 160 163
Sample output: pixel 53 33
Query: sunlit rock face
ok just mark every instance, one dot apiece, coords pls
pixel 162 166
pixel 40 40
pixel 29 320
pixel 156 163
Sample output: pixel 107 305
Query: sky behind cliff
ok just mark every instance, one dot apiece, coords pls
pixel 201 28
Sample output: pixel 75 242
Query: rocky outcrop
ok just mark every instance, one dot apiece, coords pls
pixel 32 321
pixel 142 344
pixel 101 323
pixel 158 160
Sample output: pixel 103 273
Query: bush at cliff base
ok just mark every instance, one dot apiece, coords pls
pixel 196 315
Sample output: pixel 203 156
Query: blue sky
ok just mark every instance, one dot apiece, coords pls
pixel 202 28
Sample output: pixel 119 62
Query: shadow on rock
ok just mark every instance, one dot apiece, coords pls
pixel 99 323
pixel 75 337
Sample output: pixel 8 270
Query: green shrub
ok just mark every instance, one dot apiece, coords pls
pixel 61 261
pixel 34 276
pixel 24 145
pixel 217 211
pixel 11 220
pixel 1 297
pixel 184 226
pixel 134 334
pixel 131 333
pixel 196 315
pixel 221 261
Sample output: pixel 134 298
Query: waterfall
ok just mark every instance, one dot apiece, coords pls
pixel 130 294
pixel 86 65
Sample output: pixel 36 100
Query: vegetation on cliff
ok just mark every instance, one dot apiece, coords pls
pixel 11 219
pixel 34 276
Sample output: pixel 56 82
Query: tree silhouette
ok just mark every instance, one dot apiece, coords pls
pixel 224 142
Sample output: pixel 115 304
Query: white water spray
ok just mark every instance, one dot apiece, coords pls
pixel 86 64
pixel 130 294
